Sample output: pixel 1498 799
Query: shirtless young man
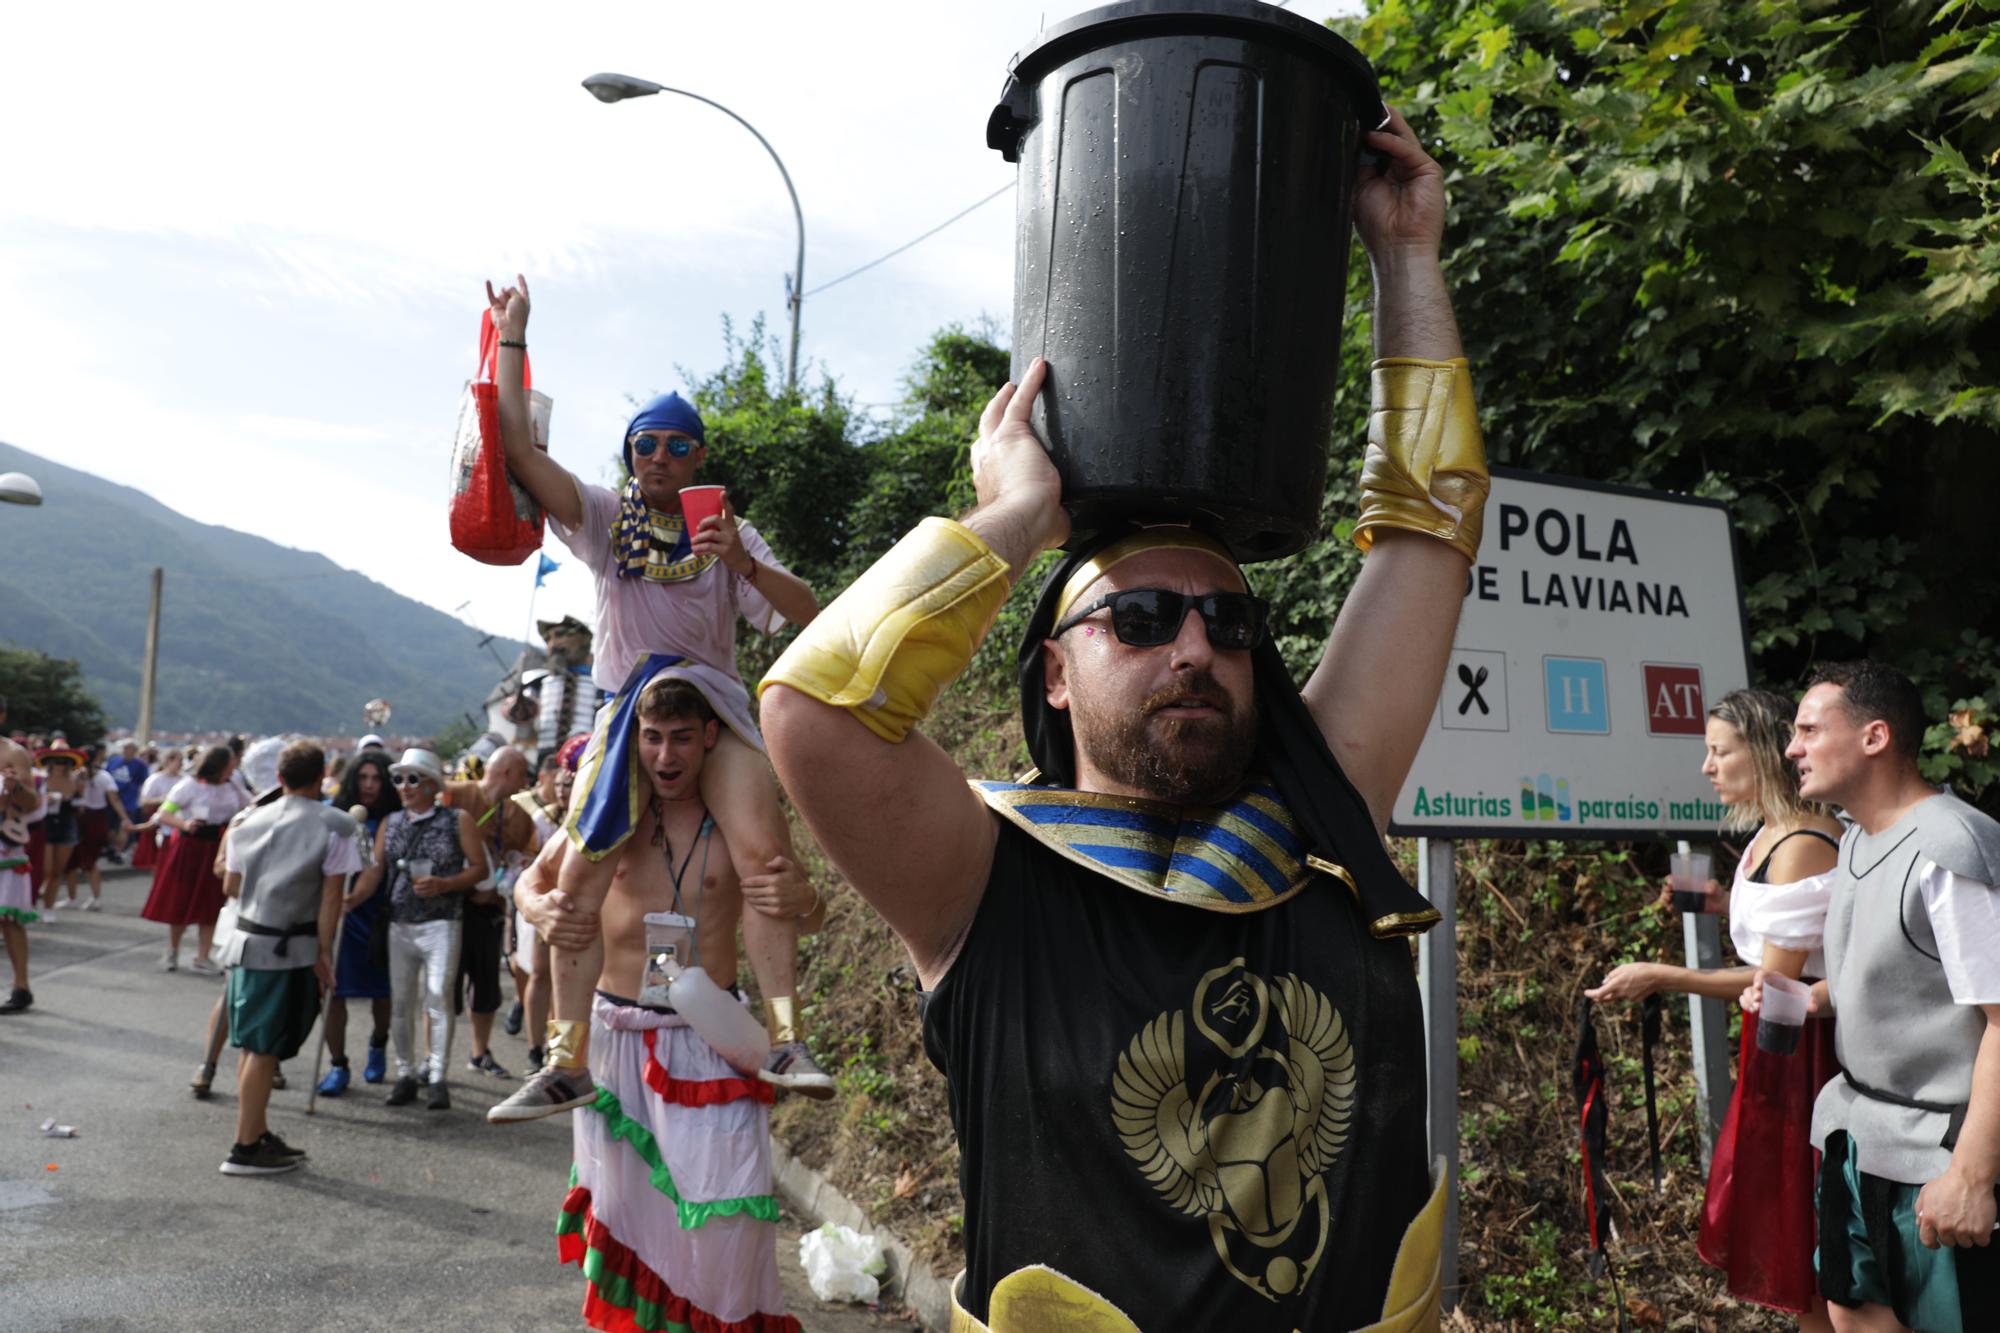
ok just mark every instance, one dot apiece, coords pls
pixel 702 1247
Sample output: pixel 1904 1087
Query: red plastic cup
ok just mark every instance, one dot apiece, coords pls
pixel 698 503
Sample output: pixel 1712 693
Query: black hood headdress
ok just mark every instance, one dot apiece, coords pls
pixel 1330 812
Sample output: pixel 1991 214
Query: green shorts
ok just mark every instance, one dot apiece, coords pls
pixel 1869 1252
pixel 272 1012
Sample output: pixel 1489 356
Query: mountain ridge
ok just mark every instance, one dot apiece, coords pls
pixel 237 648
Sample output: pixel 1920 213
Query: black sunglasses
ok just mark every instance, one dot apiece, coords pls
pixel 1149 617
pixel 678 446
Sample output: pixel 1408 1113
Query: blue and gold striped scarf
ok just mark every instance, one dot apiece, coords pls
pixel 636 553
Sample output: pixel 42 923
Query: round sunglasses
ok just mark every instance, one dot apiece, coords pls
pixel 1149 617
pixel 407 779
pixel 678 446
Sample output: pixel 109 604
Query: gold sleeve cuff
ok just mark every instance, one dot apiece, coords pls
pixel 1425 470
pixel 902 631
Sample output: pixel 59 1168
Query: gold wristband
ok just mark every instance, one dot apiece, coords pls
pixel 1425 469
pixel 900 633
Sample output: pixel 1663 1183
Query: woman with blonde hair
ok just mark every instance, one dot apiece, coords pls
pixel 1757 1220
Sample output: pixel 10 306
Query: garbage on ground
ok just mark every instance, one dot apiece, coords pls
pixel 51 1130
pixel 842 1264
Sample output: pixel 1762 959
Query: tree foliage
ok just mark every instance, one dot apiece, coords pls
pixel 1748 251
pixel 46 695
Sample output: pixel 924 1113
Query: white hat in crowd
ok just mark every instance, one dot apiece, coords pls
pixel 370 742
pixel 421 762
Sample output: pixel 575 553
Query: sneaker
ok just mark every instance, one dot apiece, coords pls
pixel 486 1064
pixel 94 905
pixel 171 962
pixel 377 1066
pixel 440 1098
pixel 548 1091
pixel 258 1159
pixel 404 1092
pixel 202 967
pixel 792 1067
pixel 279 1146
pixel 535 1057
pixel 513 1020
pixel 17 999
pixel 335 1081
pixel 64 904
pixel 203 1080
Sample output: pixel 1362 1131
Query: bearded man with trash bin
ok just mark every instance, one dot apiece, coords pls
pixel 1168 976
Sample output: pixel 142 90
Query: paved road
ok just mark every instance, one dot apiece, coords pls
pixel 402 1218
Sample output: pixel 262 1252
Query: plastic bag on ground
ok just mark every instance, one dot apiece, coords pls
pixel 842 1264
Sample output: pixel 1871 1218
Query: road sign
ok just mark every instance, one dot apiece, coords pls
pixel 1599 625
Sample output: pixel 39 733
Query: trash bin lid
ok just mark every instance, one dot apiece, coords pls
pixel 1238 18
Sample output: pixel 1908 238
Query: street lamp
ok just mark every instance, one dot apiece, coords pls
pixel 18 488
pixel 618 87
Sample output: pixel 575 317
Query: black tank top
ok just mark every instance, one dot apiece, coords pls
pixel 1213 1120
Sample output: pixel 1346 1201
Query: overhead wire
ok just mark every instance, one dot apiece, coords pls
pixel 969 208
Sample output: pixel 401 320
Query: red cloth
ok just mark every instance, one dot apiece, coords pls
pixel 186 889
pixel 93 832
pixel 1761 1179
pixel 145 850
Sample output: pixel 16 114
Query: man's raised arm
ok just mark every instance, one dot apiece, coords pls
pixel 839 708
pixel 1423 485
pixel 552 484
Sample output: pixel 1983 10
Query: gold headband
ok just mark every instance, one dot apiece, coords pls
pixel 1147 539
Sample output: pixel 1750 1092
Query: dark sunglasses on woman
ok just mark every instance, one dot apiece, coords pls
pixel 1149 617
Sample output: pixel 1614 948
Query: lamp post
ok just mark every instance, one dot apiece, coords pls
pixel 18 488
pixel 618 87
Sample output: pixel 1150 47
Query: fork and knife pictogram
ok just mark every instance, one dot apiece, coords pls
pixel 1472 681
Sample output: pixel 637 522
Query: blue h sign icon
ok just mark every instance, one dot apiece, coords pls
pixel 1576 698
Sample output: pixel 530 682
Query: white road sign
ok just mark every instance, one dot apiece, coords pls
pixel 1599 625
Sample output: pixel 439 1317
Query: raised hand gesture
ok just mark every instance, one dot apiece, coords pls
pixel 510 309
pixel 1399 206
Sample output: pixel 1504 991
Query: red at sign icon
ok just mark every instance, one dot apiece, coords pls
pixel 1673 700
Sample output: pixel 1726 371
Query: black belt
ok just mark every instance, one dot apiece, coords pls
pixel 284 937
pixel 1956 1112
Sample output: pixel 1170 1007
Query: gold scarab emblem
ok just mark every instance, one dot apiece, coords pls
pixel 1245 1136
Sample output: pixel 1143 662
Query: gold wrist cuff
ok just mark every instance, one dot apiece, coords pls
pixel 568 1043
pixel 1425 470
pixel 902 631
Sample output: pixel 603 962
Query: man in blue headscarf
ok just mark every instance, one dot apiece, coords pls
pixel 668 600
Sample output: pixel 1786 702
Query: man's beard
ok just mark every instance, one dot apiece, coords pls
pixel 1188 761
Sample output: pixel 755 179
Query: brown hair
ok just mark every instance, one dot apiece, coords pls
pixel 215 761
pixel 301 765
pixel 671 697
pixel 1763 718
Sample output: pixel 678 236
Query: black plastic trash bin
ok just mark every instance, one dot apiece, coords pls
pixel 1186 189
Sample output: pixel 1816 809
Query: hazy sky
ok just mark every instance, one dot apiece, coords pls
pixel 242 246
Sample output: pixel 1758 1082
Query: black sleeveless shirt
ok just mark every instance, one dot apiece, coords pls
pixel 1213 1120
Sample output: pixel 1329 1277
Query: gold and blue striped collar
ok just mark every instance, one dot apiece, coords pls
pixel 1243 856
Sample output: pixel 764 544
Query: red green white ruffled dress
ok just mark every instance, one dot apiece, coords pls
pixel 670 1212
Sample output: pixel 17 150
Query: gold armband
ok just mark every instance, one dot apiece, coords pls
pixel 902 631
pixel 1426 464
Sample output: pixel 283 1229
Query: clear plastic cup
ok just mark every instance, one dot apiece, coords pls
pixel 1688 876
pixel 698 503
pixel 669 951
pixel 1782 1015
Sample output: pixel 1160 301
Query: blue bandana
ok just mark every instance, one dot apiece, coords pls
pixel 669 411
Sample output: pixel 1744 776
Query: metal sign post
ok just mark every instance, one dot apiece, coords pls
pixel 1708 1026
pixel 1437 980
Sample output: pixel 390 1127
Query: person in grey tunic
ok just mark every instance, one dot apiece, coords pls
pixel 287 864
pixel 1910 1132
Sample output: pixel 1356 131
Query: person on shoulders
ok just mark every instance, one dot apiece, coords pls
pixel 668 601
